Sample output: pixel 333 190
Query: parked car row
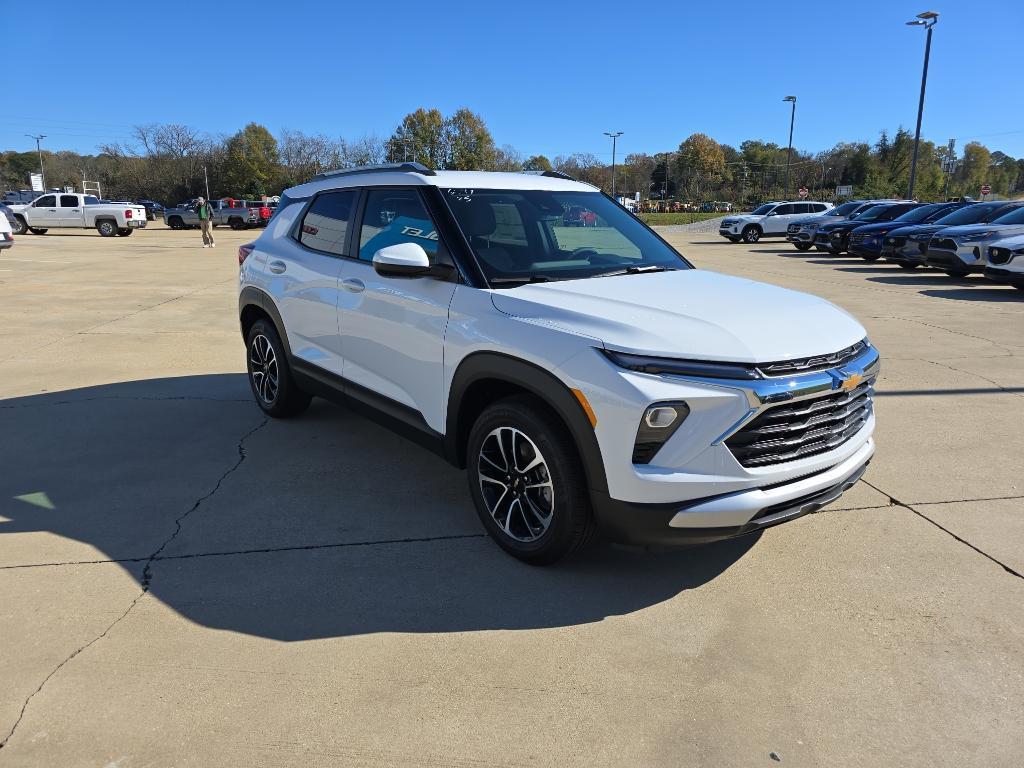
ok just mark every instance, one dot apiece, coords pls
pixel 957 238
pixel 237 214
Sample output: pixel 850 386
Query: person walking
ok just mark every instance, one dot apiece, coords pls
pixel 205 212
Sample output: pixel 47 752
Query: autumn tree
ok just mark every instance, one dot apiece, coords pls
pixel 420 137
pixel 468 145
pixel 537 163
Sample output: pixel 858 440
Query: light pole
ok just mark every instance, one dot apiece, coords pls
pixel 789 153
pixel 613 136
pixel 206 179
pixel 928 19
pixel 39 149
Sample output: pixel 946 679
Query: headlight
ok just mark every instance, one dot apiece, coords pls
pixel 695 368
pixel 977 236
pixel 659 422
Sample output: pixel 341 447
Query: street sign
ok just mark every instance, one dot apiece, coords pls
pixel 37 182
pixel 845 190
pixel 802 192
pixel 985 189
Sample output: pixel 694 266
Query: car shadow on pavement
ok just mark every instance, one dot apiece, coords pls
pixel 321 526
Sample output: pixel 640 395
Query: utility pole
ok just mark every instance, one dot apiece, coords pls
pixel 950 160
pixel 613 136
pixel 743 193
pixel 789 153
pixel 928 19
pixel 39 149
pixel 207 180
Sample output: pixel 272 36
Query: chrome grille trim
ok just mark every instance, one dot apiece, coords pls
pixel 810 364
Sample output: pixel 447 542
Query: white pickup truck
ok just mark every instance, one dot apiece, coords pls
pixel 61 210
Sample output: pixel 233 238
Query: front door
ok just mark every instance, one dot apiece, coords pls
pixel 392 329
pixel 43 212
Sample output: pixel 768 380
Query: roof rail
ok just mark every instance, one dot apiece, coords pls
pixel 384 168
pixel 551 175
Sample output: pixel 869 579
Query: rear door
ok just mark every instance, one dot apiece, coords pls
pixel 69 211
pixel 43 212
pixel 302 277
pixel 392 329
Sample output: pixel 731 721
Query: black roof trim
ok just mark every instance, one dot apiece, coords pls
pixel 384 168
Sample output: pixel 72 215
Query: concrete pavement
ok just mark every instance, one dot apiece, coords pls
pixel 185 583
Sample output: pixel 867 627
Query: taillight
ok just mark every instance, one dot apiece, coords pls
pixel 244 251
pixel 128 213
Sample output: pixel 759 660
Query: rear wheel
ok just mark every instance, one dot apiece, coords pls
pixel 237 224
pixel 751 234
pixel 802 246
pixel 37 230
pixel 870 256
pixel 956 272
pixel 175 222
pixel 527 482
pixel 106 227
pixel 124 232
pixel 269 374
pixel 905 265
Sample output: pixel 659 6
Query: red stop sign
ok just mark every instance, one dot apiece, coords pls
pixel 803 192
pixel 985 189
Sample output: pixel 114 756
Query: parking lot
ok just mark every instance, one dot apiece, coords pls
pixel 183 582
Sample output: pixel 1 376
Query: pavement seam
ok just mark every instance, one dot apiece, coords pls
pixel 147 577
pixel 1019 392
pixel 897 503
pixel 995 344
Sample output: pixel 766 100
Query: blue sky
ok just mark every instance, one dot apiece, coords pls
pixel 547 77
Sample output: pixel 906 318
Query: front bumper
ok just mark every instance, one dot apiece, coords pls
pixel 870 250
pixel 1005 276
pixel 904 251
pixel 730 515
pixel 966 258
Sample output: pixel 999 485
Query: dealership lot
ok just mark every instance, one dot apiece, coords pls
pixel 185 583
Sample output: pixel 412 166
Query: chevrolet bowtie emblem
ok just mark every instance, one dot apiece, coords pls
pixel 850 384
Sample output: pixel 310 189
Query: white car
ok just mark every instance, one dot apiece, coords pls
pixel 587 378
pixel 1004 261
pixel 770 219
pixel 59 210
pixel 6 236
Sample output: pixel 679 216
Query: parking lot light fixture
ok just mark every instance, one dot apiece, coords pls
pixel 39 150
pixel 789 152
pixel 613 136
pixel 927 19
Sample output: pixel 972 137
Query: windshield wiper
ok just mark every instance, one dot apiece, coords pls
pixel 635 270
pixel 519 280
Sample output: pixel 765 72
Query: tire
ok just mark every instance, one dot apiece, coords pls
pixel 236 224
pixel 106 227
pixel 802 246
pixel 19 227
pixel 37 231
pixel 957 273
pixel 175 222
pixel 124 232
pixel 751 234
pixel 278 396
pixel 734 239
pixel 905 265
pixel 871 256
pixel 557 519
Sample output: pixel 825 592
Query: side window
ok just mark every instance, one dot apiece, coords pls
pixel 69 201
pixel 326 222
pixel 783 210
pixel 396 216
pixel 49 201
pixel 803 208
pixel 818 208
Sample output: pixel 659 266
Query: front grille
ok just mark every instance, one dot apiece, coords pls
pixel 821 237
pixel 806 428
pixel 857 238
pixel 946 244
pixel 999 255
pixel 793 228
pixel 816 363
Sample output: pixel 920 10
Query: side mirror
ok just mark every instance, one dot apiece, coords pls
pixel 402 260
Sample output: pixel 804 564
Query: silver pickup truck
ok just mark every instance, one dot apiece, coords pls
pixel 185 216
pixel 57 210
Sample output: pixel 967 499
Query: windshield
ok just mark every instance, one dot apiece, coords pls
pixel 1016 216
pixel 919 214
pixel 871 214
pixel 762 210
pixel 969 214
pixel 843 210
pixel 522 236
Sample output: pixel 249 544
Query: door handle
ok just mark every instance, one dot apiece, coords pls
pixel 353 284
pixel 277 267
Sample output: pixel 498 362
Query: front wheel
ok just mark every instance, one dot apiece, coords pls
pixel 18 226
pixel 236 224
pixel 527 482
pixel 751 234
pixel 802 246
pixel 270 377
pixel 107 228
pixel 870 256
pixel 958 273
pixel 38 230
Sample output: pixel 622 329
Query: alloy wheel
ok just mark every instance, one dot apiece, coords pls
pixel 515 484
pixel 263 368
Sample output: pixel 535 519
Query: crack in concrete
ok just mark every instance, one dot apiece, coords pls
pixel 120 397
pixel 995 344
pixel 897 503
pixel 1008 390
pixel 146 579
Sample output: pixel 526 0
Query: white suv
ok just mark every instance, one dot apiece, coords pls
pixel 588 378
pixel 768 219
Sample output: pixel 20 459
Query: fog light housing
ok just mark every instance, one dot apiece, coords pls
pixel 658 423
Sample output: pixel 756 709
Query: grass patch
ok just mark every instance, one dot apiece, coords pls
pixel 660 219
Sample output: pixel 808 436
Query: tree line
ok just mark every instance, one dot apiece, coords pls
pixel 171 163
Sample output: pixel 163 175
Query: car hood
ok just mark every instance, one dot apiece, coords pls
pixel 744 218
pixel 691 313
pixel 868 229
pixel 917 229
pixel 974 229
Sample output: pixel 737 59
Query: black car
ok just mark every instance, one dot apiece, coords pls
pixel 153 209
pixel 835 238
pixel 866 241
pixel 908 246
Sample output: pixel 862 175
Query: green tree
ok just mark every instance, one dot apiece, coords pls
pixel 700 162
pixel 468 145
pixel 537 163
pixel 419 137
pixel 251 163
